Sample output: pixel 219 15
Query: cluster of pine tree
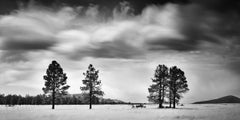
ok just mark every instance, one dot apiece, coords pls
pixel 56 84
pixel 169 83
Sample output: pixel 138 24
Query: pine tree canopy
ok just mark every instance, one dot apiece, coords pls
pixel 55 79
pixel 91 82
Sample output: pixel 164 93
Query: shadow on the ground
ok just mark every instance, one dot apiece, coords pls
pixel 176 108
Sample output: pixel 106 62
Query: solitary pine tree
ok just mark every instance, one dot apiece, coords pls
pixel 157 90
pixel 55 81
pixel 92 84
pixel 177 85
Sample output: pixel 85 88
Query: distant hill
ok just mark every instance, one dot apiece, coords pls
pixel 226 99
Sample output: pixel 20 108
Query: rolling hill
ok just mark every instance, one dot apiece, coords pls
pixel 226 99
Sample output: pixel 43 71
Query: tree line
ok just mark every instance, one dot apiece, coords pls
pixel 170 83
pixel 42 99
pixel 36 100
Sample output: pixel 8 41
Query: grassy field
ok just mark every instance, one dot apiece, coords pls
pixel 121 112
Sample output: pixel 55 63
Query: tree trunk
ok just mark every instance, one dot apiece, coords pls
pixel 170 99
pixel 174 99
pixel 163 94
pixel 90 104
pixel 170 104
pixel 160 95
pixel 90 98
pixel 53 99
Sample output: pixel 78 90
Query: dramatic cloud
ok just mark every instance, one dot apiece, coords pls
pixel 7 6
pixel 130 38
pixel 79 32
pixel 222 6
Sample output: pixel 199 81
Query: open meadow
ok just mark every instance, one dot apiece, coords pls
pixel 121 112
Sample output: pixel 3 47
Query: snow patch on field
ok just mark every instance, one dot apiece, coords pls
pixel 121 112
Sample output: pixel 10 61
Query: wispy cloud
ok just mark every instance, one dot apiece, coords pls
pixel 65 31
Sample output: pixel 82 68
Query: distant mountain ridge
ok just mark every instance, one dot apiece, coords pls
pixel 226 99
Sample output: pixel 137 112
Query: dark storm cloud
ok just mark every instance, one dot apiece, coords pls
pixel 196 25
pixel 222 16
pixel 217 23
pixel 172 44
pixel 113 49
pixel 221 6
pixel 27 45
pixel 7 6
pixel 204 23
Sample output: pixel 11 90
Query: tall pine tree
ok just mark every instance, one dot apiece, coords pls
pixel 92 84
pixel 157 90
pixel 55 81
pixel 177 85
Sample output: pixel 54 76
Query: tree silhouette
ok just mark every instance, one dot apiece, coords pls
pixel 55 81
pixel 92 85
pixel 157 90
pixel 177 85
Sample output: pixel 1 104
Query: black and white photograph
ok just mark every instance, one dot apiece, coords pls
pixel 119 59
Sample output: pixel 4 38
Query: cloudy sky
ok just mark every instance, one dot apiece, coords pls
pixel 125 40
